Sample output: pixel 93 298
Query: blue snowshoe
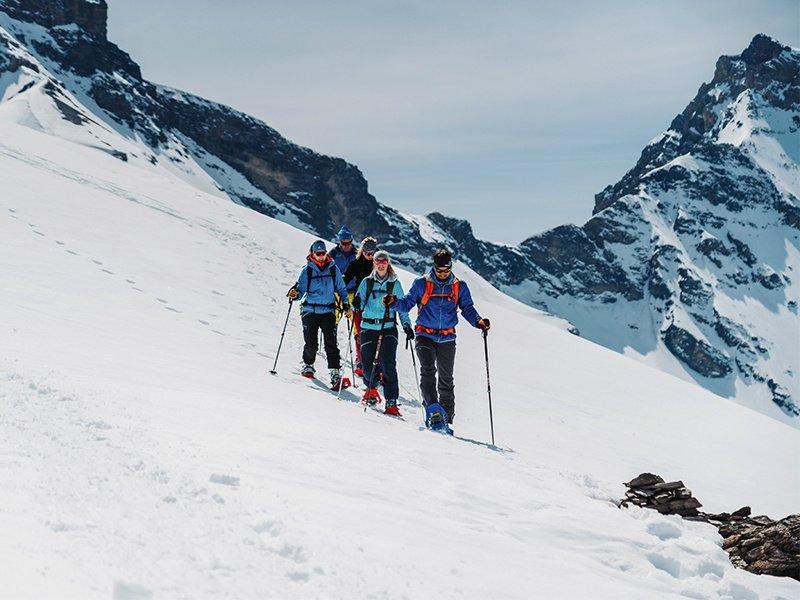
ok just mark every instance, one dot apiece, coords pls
pixel 436 419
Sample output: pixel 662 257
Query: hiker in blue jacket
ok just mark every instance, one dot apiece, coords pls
pixel 377 320
pixel 317 286
pixel 343 254
pixel 438 295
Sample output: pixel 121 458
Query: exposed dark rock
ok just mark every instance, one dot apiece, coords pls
pixel 757 544
pixel 696 354
pixel 761 545
pixel 89 15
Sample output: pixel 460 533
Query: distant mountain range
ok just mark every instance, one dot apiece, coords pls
pixel 690 262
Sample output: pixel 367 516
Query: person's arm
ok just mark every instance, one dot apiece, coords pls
pixel 350 271
pixel 302 282
pixel 405 303
pixel 405 321
pixel 359 300
pixel 467 306
pixel 341 289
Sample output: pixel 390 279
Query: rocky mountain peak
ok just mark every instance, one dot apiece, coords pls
pixel 762 48
pixel 89 15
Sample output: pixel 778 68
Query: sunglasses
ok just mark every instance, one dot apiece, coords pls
pixel 346 242
pixel 320 253
pixel 368 253
pixel 443 269
pixel 381 261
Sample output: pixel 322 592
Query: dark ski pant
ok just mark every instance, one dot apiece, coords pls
pixel 437 358
pixel 312 323
pixel 388 360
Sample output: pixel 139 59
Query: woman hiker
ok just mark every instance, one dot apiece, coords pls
pixel 355 273
pixel 438 295
pixel 379 320
pixel 317 285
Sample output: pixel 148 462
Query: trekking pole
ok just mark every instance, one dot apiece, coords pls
pixel 278 353
pixel 416 376
pixel 352 325
pixel 350 351
pixel 376 360
pixel 488 382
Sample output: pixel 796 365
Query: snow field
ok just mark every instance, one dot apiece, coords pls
pixel 146 453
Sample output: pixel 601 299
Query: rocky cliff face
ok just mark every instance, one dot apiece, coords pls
pixel 689 262
pixel 695 250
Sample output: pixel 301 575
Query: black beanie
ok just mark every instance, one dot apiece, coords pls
pixel 443 258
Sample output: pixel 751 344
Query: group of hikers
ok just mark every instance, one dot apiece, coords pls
pixel 362 285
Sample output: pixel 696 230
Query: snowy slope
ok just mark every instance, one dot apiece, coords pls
pixel 687 264
pixel 145 451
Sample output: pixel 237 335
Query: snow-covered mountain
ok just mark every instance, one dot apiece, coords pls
pixel 689 263
pixel 692 261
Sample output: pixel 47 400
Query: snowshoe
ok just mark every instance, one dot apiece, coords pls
pixel 436 419
pixel 343 382
pixel 392 410
pixel 308 371
pixel 371 397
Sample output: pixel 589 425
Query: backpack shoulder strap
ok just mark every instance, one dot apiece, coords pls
pixel 428 291
pixel 389 287
pixel 370 285
pixel 455 290
pixel 309 274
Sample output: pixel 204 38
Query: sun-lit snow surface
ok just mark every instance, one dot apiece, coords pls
pixel 146 452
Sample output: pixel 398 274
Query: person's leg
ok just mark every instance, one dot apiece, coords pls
pixel 328 324
pixel 426 352
pixel 445 363
pixel 369 340
pixel 357 336
pixel 391 390
pixel 310 329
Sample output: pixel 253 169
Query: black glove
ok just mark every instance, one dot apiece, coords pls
pixel 409 333
pixel 484 324
pixel 357 303
pixel 389 299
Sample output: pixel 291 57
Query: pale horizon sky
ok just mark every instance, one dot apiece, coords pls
pixel 512 115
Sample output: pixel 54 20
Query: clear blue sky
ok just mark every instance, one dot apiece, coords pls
pixel 510 114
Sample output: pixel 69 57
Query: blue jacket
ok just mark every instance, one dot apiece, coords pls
pixel 372 308
pixel 439 312
pixel 343 261
pixel 319 296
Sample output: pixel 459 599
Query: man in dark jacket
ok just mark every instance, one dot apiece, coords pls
pixel 438 296
pixel 360 268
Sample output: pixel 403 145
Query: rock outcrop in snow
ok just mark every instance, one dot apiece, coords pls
pixel 689 262
pixel 755 543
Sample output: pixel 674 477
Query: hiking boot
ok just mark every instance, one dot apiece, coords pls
pixel 391 409
pixel 307 371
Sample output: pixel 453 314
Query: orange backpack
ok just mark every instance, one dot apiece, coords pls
pixel 453 295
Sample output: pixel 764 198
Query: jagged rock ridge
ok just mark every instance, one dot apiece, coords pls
pixel 689 261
